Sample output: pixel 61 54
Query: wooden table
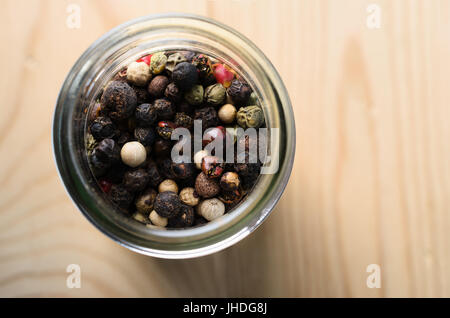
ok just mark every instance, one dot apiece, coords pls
pixel 370 185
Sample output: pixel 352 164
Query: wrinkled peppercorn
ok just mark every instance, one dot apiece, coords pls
pixel 183 170
pixel 183 120
pixel 208 116
pixel 146 136
pixel 194 95
pixel 185 217
pixel 203 65
pixel 146 115
pixel 173 60
pixel 119 99
pixel 121 196
pixel 167 204
pixel 173 93
pixel 185 107
pixel 158 85
pixel 239 92
pixel 162 147
pixel 185 75
pixel 155 177
pixel 144 202
pixel 142 95
pixel 215 94
pixel 165 108
pixel 250 117
pixel 107 151
pixel 136 180
pixel 165 129
pixel 230 181
pixel 212 167
pixel 165 168
pixel 102 128
pixel 206 187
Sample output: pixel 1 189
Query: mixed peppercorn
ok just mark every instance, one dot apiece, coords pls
pixel 129 141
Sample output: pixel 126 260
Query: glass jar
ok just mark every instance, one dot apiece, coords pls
pixel 107 56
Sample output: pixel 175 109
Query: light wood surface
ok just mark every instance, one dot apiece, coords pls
pixel 371 180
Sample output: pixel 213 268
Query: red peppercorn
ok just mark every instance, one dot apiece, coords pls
pixel 105 185
pixel 146 59
pixel 223 74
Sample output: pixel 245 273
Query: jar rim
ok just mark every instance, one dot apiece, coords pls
pixel 76 186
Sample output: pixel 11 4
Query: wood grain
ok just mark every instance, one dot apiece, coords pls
pixel 371 180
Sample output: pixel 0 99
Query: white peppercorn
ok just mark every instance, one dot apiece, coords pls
pixel 211 209
pixel 168 185
pixel 227 113
pixel 189 197
pixel 158 220
pixel 133 154
pixel 138 73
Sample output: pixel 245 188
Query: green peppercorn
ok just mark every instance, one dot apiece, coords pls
pixel 194 96
pixel 250 117
pixel 158 63
pixel 215 94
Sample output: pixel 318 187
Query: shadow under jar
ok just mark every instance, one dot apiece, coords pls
pixel 95 68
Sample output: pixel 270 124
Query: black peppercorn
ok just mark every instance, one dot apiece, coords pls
pixel 165 108
pixel 123 138
pixel 121 196
pixel 162 147
pixel 107 151
pixel 185 217
pixel 99 167
pixel 146 115
pixel 208 116
pixel 183 170
pixel 239 92
pixel 155 177
pixel 102 128
pixel 183 120
pixel 142 95
pixel 173 93
pixel 167 204
pixel 185 75
pixel 116 172
pixel 136 180
pixel 199 220
pixel 158 85
pixel 119 99
pixel 185 107
pixel 146 136
pixel 165 168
